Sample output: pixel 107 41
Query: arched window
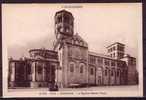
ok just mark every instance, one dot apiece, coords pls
pixel 91 71
pixel 99 70
pixel 112 72
pixel 72 67
pixel 82 68
pixel 106 71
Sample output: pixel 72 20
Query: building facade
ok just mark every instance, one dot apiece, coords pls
pixel 70 63
pixel 37 71
pixel 78 66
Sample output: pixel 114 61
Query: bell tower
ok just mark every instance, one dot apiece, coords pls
pixel 64 24
pixel 116 50
pixel 72 51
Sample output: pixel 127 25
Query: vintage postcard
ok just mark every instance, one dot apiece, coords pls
pixel 72 50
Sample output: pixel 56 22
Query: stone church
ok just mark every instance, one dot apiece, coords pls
pixel 71 64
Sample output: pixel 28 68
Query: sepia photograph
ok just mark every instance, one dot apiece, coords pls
pixel 72 50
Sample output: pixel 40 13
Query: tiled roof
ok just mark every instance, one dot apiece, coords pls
pixel 78 38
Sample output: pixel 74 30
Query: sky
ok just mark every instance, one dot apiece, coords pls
pixel 27 26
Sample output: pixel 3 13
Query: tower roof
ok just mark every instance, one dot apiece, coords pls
pixel 64 11
pixel 116 43
pixel 78 37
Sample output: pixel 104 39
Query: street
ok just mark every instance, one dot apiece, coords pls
pixel 96 91
pixel 93 88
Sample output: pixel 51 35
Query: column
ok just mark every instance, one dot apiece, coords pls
pixel 50 72
pixel 43 71
pixel 13 72
pixel 25 72
pixel 12 75
pixel 109 76
pixel 33 84
pixel 33 70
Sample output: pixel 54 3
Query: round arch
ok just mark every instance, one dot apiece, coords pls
pixel 72 66
pixel 81 67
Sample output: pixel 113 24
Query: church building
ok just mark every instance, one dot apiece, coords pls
pixel 70 63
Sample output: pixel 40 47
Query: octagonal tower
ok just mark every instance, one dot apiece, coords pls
pixel 64 24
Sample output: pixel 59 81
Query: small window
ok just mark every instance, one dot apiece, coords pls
pixel 92 59
pixel 106 62
pixel 118 47
pixel 66 19
pixel 71 67
pixel 59 19
pixel 91 71
pixel 81 69
pixel 112 72
pixel 106 72
pixel 113 54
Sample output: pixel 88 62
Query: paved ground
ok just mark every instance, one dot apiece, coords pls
pixel 96 91
pixel 94 88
